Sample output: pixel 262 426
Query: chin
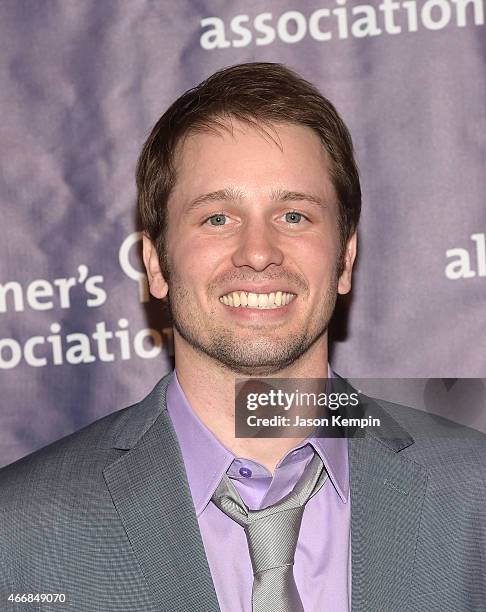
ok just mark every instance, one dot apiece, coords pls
pixel 258 362
pixel 259 370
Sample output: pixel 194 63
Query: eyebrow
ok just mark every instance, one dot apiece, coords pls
pixel 231 194
pixel 282 195
pixel 221 195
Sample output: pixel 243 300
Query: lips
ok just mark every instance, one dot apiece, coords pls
pixel 264 301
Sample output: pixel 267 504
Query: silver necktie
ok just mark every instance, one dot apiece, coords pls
pixel 272 535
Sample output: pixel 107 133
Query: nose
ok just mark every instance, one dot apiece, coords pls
pixel 258 247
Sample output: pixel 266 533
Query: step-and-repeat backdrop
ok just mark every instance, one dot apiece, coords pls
pixel 82 83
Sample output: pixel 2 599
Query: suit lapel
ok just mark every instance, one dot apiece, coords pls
pixel 387 491
pixel 149 488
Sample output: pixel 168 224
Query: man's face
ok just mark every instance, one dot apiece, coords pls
pixel 252 247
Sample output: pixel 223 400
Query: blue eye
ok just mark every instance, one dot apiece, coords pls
pixel 216 220
pixel 293 217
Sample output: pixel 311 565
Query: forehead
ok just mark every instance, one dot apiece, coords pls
pixel 252 158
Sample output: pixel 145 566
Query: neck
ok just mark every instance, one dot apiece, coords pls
pixel 210 390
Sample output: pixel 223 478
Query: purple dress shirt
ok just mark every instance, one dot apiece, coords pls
pixel 322 567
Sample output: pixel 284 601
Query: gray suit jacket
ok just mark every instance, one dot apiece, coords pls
pixel 105 516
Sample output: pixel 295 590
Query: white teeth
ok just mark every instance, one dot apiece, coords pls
pixel 252 300
pixel 238 299
pixel 262 300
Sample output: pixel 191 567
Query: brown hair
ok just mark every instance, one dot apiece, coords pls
pixel 258 94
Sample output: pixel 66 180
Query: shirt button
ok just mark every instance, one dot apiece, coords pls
pixel 245 472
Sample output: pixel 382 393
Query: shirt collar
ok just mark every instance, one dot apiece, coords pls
pixel 334 455
pixel 206 459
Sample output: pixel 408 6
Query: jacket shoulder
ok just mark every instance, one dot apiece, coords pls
pixel 437 441
pixel 76 462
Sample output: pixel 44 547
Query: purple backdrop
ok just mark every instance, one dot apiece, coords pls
pixel 82 83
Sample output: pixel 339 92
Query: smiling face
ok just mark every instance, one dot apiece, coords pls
pixel 253 247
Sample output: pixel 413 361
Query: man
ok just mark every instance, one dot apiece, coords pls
pixel 249 198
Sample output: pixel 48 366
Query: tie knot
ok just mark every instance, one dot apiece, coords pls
pixel 272 539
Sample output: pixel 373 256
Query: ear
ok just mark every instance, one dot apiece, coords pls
pixel 157 283
pixel 344 284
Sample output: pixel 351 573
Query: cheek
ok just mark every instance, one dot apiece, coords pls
pixel 317 255
pixel 197 259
